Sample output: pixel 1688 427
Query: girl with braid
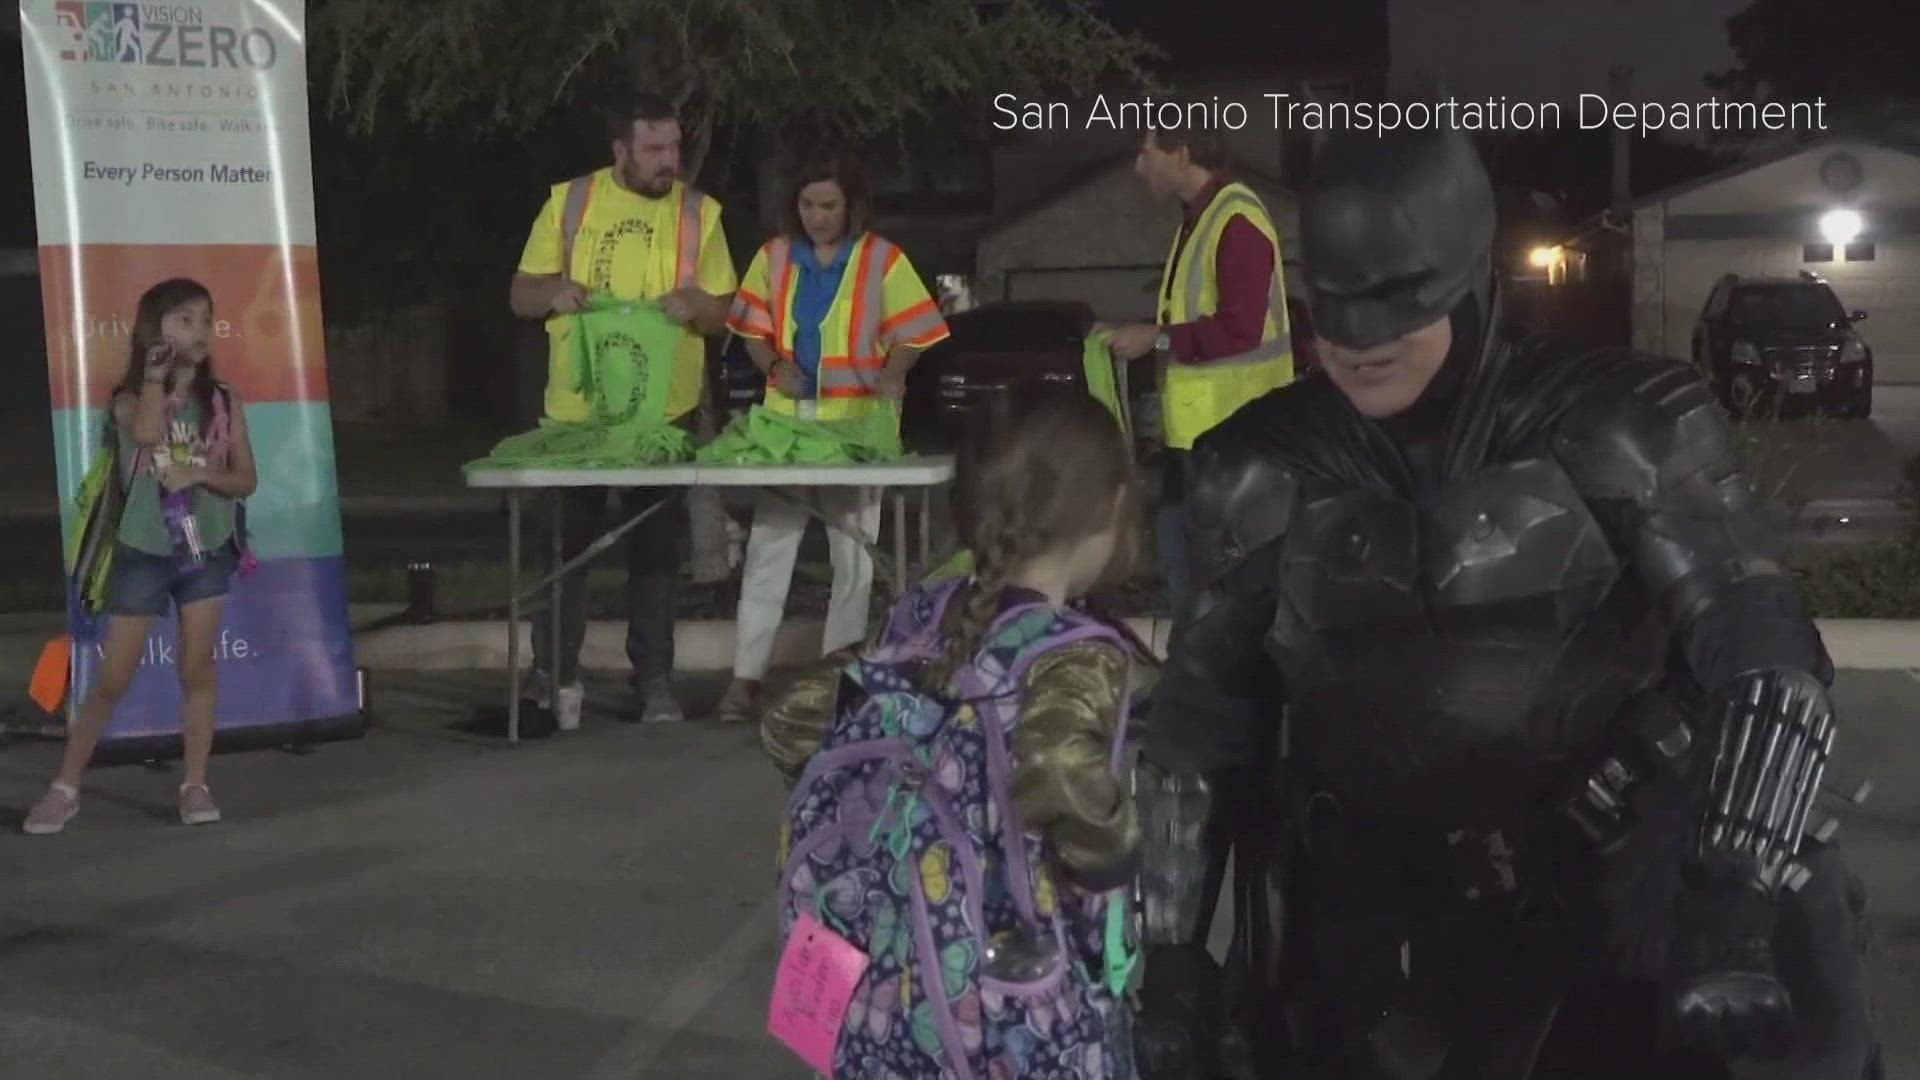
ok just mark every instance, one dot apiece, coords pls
pixel 1043 498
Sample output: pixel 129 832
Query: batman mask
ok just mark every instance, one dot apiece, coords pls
pixel 1395 231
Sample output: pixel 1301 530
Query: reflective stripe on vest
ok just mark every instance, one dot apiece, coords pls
pixel 1280 345
pixel 572 214
pixel 1225 205
pixel 686 266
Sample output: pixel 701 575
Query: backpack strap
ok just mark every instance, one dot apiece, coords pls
pixel 223 410
pixel 1080 628
pixel 125 470
pixel 220 428
pixel 573 213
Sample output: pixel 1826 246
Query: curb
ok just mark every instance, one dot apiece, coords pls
pixel 1872 644
pixel 704 645
pixel 395 504
pixel 700 645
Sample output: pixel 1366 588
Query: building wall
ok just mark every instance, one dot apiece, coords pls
pixel 1097 241
pixel 1886 177
pixel 1649 280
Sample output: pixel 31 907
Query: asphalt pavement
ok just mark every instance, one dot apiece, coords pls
pixel 427 903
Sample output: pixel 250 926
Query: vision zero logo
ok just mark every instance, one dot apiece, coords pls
pixel 157 35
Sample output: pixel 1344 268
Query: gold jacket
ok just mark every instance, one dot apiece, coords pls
pixel 1062 780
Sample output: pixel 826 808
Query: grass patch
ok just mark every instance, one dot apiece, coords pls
pixel 1877 582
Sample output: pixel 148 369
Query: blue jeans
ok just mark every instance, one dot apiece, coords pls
pixel 1119 1049
pixel 142 584
pixel 1170 545
pixel 653 581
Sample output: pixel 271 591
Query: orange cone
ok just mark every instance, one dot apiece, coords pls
pixel 48 687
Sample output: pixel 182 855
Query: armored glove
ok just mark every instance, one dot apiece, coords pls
pixel 1770 745
pixel 1182 1013
pixel 1723 988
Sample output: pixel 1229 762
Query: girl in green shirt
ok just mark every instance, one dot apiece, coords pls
pixel 178 429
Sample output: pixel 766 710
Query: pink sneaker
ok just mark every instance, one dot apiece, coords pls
pixel 196 805
pixel 52 812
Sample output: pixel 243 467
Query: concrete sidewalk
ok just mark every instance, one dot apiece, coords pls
pixel 449 499
pixel 427 904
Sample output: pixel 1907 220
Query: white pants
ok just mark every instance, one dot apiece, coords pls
pixel 772 547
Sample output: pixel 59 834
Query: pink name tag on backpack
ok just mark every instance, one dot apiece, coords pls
pixel 812 990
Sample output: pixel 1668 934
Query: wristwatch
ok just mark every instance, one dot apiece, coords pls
pixel 1163 344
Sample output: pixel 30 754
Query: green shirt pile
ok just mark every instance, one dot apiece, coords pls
pixel 623 362
pixel 764 437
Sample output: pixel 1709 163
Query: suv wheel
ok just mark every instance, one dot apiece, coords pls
pixel 1860 405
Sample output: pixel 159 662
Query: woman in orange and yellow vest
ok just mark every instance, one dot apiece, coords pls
pixel 834 315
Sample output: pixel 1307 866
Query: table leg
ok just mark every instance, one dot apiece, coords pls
pixel 553 599
pixel 926 529
pixel 513 617
pixel 899 543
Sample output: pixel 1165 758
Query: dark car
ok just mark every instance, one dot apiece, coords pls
pixel 993 349
pixel 1783 345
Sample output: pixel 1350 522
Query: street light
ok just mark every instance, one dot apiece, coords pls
pixel 1840 227
pixel 1543 257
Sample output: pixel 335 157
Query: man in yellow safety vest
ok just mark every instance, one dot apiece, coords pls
pixel 1221 332
pixel 634 231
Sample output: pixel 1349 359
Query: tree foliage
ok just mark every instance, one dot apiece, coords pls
pixel 797 70
pixel 1852 53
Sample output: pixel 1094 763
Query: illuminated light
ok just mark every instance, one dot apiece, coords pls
pixel 1543 257
pixel 1840 226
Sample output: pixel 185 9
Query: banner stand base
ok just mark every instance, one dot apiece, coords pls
pixel 297 734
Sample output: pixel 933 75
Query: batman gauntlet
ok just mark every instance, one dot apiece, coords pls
pixel 1173 862
pixel 1774 730
pixel 1181 997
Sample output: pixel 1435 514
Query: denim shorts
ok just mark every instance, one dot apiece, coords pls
pixel 141 583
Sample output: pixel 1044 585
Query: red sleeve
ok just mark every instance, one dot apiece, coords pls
pixel 1243 266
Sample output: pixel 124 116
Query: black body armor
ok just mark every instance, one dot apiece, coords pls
pixel 1498 654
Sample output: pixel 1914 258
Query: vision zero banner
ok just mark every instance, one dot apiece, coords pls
pixel 170 140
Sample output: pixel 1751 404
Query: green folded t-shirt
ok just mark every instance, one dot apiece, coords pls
pixel 764 437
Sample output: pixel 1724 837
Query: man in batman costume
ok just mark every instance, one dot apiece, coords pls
pixel 1492 680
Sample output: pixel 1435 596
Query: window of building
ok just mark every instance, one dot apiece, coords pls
pixel 1817 253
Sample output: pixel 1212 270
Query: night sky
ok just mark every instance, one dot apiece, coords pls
pixel 1560 48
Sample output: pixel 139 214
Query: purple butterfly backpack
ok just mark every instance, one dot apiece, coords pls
pixel 902 838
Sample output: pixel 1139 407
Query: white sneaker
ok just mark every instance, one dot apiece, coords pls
pixel 567 713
